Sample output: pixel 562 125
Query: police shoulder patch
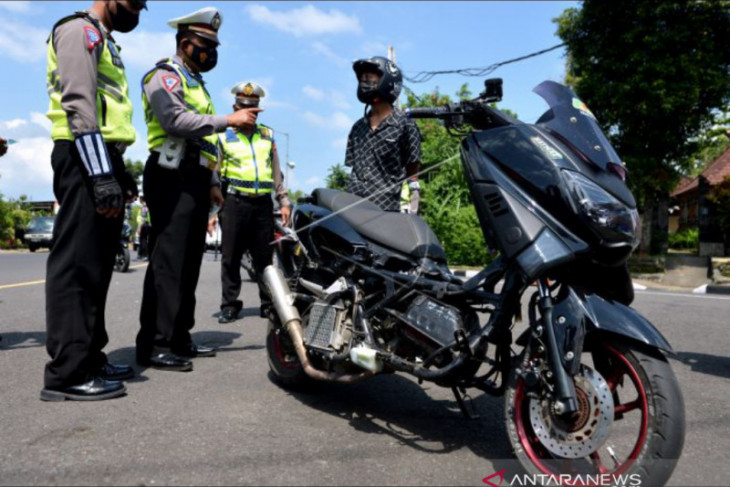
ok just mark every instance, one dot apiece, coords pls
pixel 92 37
pixel 170 81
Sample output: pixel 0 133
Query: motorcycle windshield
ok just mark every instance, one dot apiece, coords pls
pixel 570 120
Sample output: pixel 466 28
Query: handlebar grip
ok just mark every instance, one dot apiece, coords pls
pixel 425 112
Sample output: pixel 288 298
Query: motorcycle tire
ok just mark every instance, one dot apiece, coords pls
pixel 121 264
pixel 648 424
pixel 286 369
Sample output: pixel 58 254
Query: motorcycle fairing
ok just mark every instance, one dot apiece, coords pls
pixel 599 314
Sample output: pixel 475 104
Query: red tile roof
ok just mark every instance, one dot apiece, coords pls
pixel 715 174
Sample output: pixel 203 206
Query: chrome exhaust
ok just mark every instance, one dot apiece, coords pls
pixel 288 314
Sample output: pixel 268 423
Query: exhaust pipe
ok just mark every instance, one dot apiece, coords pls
pixel 291 321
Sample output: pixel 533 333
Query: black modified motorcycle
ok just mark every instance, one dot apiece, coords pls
pixel 587 386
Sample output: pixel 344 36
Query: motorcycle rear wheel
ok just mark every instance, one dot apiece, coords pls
pixel 286 369
pixel 644 439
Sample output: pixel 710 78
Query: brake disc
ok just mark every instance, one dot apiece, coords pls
pixel 585 431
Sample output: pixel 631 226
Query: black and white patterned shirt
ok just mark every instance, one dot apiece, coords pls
pixel 379 157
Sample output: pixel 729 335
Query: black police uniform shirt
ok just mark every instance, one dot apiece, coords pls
pixel 379 157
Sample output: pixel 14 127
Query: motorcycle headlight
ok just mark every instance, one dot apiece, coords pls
pixel 614 221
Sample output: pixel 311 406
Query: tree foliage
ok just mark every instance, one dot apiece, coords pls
pixel 13 215
pixel 135 169
pixel 337 177
pixel 655 74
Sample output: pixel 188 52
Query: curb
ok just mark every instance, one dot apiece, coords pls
pixel 717 289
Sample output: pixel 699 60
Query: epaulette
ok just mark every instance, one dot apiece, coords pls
pixel 267 133
pixel 68 18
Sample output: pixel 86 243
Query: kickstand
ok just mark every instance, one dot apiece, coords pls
pixel 468 412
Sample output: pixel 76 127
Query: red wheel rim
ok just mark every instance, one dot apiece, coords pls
pixel 531 444
pixel 281 355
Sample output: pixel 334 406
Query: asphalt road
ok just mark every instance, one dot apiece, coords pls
pixel 226 423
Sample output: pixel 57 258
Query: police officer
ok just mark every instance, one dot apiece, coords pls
pixel 384 147
pixel 91 117
pixel 250 171
pixel 180 187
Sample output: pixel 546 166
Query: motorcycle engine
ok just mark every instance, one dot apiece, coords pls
pixel 436 321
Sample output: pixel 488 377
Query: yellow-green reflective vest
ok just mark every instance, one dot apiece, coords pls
pixel 196 99
pixel 113 106
pixel 405 194
pixel 246 163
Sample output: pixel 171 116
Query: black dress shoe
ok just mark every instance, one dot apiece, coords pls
pixel 115 372
pixel 227 316
pixel 97 389
pixel 166 361
pixel 195 350
pixel 265 311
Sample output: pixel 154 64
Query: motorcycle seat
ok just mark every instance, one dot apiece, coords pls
pixel 403 232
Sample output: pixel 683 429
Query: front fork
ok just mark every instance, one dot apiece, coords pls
pixel 565 401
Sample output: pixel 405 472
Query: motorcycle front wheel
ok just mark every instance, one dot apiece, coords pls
pixel 630 423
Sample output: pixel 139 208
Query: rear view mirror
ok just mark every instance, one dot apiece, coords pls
pixel 493 89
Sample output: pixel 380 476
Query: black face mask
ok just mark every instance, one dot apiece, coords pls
pixel 204 58
pixel 124 20
pixel 367 91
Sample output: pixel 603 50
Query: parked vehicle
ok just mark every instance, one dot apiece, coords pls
pixel 39 233
pixel 587 387
pixel 121 263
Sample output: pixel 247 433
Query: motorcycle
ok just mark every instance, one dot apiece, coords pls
pixel 586 384
pixel 122 259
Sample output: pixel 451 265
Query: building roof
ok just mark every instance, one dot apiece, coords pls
pixel 715 173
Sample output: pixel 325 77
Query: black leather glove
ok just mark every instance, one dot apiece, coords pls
pixel 129 186
pixel 107 193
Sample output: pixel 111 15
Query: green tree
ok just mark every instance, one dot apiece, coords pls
pixel 337 177
pixel 295 194
pixel 654 73
pixel 13 215
pixel 136 169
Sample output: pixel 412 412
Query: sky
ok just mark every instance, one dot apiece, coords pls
pixel 300 52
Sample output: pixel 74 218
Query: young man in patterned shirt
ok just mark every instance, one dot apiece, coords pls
pixel 384 147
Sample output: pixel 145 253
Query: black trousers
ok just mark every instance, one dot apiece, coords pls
pixel 179 201
pixel 144 234
pixel 247 224
pixel 78 272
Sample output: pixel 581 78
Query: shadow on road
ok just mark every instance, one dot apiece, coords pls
pixel 22 339
pixel 706 364
pixel 244 313
pixel 395 406
pixel 219 339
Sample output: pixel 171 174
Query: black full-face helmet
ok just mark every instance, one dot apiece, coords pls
pixel 389 86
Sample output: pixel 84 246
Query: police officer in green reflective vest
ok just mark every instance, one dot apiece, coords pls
pixel 180 187
pixel 251 173
pixel 91 117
